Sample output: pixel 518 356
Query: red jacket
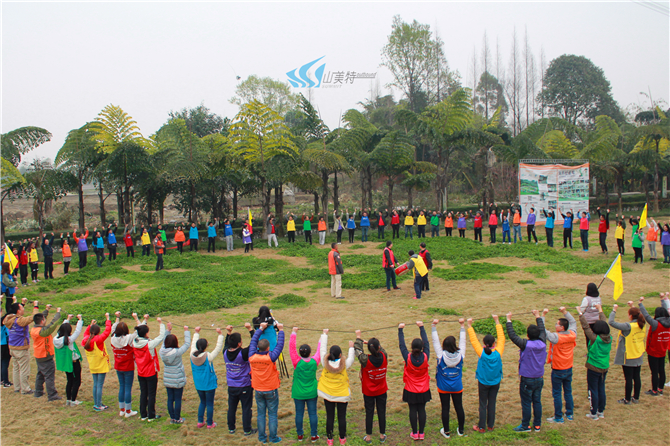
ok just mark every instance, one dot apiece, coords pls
pixel 603 226
pixel 657 341
pixel 147 364
pixel 23 257
pixel 128 240
pixel 124 358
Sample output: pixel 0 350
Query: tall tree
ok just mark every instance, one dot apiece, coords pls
pixel 393 156
pixel 201 121
pixel 20 141
pixel 12 182
pixel 655 136
pixel 45 184
pixel 490 97
pixel 274 94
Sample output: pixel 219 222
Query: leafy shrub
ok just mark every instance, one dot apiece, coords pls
pixel 358 246
pixel 288 300
pixel 442 311
pixel 525 282
pixel 116 286
pixel 488 326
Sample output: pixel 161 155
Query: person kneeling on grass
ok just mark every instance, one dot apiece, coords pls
pixel 561 356
pixel 532 355
pixel 304 391
pixel 204 376
pixel 597 362
pixel 148 367
pixel 68 358
pixel 174 376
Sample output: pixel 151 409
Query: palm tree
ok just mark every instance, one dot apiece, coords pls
pixel 655 136
pixel 393 156
pixel 12 181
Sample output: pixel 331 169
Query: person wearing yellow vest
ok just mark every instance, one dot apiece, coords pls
pixel 560 356
pixel 416 378
pixel 421 224
pixel 265 381
pixel 290 227
pixel 68 358
pixel 146 242
pixel 146 359
pixel 32 261
pixel 620 234
pixel 409 224
pixel 43 349
pixel 333 387
pixel 597 362
pixel 419 271
pixel 98 358
pixel 630 350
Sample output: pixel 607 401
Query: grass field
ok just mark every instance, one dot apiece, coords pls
pixel 469 279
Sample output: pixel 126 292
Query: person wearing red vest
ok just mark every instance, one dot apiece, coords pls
pixel 159 247
pixel 272 231
pixel 478 224
pixel 44 351
pixel 381 223
pixel 395 224
pixel 493 225
pixel 130 245
pixel 124 361
pixel 335 269
pixel 148 367
pixel 23 263
pixel 560 356
pixel 416 378
pixel 603 227
pixel 658 340
pixel 373 381
pixel 389 263
pixel 652 237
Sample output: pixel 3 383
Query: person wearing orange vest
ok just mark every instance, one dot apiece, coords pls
pixel 322 227
pixel 180 238
pixel 560 356
pixel 67 253
pixel 148 367
pixel 373 382
pixel 44 351
pixel 630 350
pixel 449 224
pixel 389 263
pixel 335 269
pixel 416 378
pixel 516 221
pixel 265 381
pixel 652 236
pixel 658 340
pixel 98 358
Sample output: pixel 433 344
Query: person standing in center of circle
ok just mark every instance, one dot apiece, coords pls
pixel 335 269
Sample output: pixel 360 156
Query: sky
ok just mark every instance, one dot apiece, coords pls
pixel 63 62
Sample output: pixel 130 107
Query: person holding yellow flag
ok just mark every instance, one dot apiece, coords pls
pixel 638 238
pixel 629 351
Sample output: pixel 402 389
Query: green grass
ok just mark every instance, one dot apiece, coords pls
pixel 525 282
pixel 288 301
pixel 473 271
pixel 116 286
pixel 442 311
pixel 488 326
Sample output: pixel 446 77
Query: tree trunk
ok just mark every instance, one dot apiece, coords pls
pixel 234 202
pixel 265 197
pixel 324 195
pixel 120 206
pixel 150 209
pixel 363 191
pixel 656 207
pixel 80 193
pixel 279 210
pixel 316 203
pixel 607 194
pixel 336 194
pixel 410 203
pixel 125 217
pixel 389 203
pixel 161 210
pixel 194 211
pixel 369 177
pixel 103 214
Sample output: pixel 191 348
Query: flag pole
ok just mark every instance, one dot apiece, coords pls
pixel 608 270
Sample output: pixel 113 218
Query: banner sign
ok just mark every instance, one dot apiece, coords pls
pixel 555 186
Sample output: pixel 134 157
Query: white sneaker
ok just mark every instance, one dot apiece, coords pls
pixel 122 413
pixel 667 384
pixel 600 414
pixel 132 413
pixel 75 403
pixel 592 417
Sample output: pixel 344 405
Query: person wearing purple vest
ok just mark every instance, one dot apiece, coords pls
pixel 82 247
pixel 19 344
pixel 238 376
pixel 532 356
pixel 530 225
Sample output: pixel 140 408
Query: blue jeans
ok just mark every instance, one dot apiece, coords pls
pixel 300 415
pixel 666 253
pixel 98 382
pixel 562 380
pixel 174 402
pixel 596 384
pixel 530 390
pixel 409 228
pixel 364 233
pixel 390 277
pixel 267 401
pixel 418 281
pixel 125 388
pixel 506 236
pixel 517 231
pixel 206 400
pixel 584 235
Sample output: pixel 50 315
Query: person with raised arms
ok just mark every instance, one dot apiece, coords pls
pixel 416 392
pixel 19 342
pixel 238 377
pixel 629 351
pixel 98 358
pixel 597 361
pixel 44 351
pixel 148 367
pixel 658 341
pixel 204 376
pixel 174 375
pixel 561 357
pixel 333 387
pixel 373 382
pixel 68 358
pixel 124 361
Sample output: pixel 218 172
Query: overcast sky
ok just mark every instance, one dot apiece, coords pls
pixel 63 62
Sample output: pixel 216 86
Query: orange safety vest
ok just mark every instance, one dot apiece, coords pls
pixel 264 374
pixel 42 346
pixel 179 236
pixel 66 251
pixel 448 222
pixel 561 354
pixel 322 225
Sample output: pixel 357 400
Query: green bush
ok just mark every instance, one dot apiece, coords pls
pixel 488 326
pixel 116 286
pixel 442 311
pixel 288 300
pixel 525 282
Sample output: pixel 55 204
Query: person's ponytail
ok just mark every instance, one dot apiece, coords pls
pixel 489 340
pixel 374 346
pixel 200 346
pixel 635 314
pixel 93 331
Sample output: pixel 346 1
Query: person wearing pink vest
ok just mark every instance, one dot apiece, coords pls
pixel 148 366
pixel 416 378
pixel 584 224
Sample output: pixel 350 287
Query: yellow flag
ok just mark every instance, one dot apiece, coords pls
pixel 616 276
pixel 643 217
pixel 251 218
pixel 10 258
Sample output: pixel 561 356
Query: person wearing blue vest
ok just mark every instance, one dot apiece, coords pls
pixel 449 376
pixel 204 376
pixel 532 356
pixel 238 376
pixel 193 237
pixel 567 228
pixel 4 353
pixel 228 234
pixel 549 226
pixel 111 241
pixel 99 247
pixel 505 227
pixel 365 227
pixel 211 235
pixel 351 225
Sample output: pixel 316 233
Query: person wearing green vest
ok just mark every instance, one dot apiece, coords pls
pixel 637 240
pixel 597 361
pixel 68 358
pixel 435 224
pixel 304 391
pixel 161 231
pixel 307 227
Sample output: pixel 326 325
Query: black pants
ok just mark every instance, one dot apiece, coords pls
pixel 211 243
pixel 351 235
pixel 396 231
pixel 245 395
pixel 380 231
pixel 458 406
pixel 148 387
pixel 370 403
pixel 83 258
pixel 146 250
pixel 341 418
pixel 567 237
pixel 66 267
pixel 246 247
pixel 461 233
pixel 530 230
pixel 33 270
pixel 424 283
pixel 620 245
pixel 434 231
pixel 584 236
pixel 417 412
pixel 291 236
pixel 487 405
pixel 112 251
pixel 48 267
pixel 638 255
pixel 550 236
pixel 24 273
pixel 421 231
pixel 632 376
pixel 657 367
pixel 73 381
pixel 130 251
pixel 339 235
pixel 159 261
pixel 603 241
pixel 180 246
pixel 194 244
pixel 449 231
pixel 492 230
pixel 6 358
pixel 478 234
pixel 308 235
